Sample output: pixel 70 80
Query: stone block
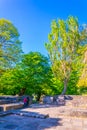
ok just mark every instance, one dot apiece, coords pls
pixel 60 100
pixel 12 106
pixel 48 100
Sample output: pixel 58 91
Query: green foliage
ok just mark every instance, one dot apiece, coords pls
pixel 38 73
pixel 72 84
pixel 57 86
pixel 10 82
pixel 10 55
pixel 82 82
pixel 66 47
pixel 10 45
pixel 32 76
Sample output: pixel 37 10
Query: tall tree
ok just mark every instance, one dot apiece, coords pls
pixel 67 41
pixel 10 45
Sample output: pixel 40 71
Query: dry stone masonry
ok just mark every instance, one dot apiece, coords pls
pixel 56 100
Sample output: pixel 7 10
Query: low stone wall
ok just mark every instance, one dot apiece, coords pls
pixel 56 100
pixel 12 106
pixel 12 102
pixel 9 99
pixel 68 100
pixel 13 99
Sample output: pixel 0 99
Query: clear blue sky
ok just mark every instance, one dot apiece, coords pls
pixel 33 18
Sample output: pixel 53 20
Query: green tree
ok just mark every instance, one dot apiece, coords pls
pixel 67 41
pixel 10 45
pixel 31 76
pixel 37 73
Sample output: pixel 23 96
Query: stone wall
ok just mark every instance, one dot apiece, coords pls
pixel 8 99
pixel 12 102
pixel 13 99
pixel 68 100
pixel 56 100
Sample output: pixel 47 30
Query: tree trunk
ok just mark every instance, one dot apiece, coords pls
pixel 65 87
pixel 38 96
pixel 22 91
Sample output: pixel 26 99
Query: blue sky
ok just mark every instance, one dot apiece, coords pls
pixel 33 18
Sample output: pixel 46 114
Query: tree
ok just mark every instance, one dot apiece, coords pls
pixel 31 76
pixel 66 46
pixel 37 74
pixel 10 45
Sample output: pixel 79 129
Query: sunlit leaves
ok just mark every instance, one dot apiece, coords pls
pixel 66 47
pixel 10 45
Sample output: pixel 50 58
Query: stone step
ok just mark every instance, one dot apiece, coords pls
pixel 12 106
pixel 5 113
pixel 31 114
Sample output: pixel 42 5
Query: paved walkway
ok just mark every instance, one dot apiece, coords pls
pixel 56 120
